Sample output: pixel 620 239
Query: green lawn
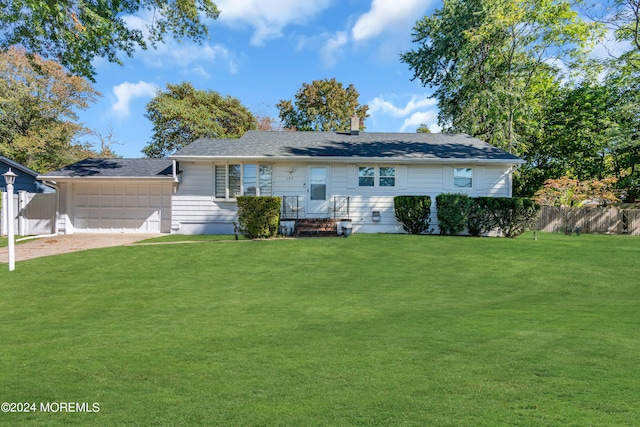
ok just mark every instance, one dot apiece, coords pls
pixel 174 238
pixel 370 330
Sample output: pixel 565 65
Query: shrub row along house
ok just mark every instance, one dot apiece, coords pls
pixel 352 175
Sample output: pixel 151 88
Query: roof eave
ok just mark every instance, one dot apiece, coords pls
pixel 329 159
pixel 106 178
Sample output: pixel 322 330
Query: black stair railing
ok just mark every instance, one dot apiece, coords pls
pixel 341 207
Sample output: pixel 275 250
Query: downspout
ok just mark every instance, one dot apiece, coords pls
pixel 176 179
pixel 57 217
pixel 513 170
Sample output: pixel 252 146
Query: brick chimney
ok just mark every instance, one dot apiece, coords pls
pixel 355 124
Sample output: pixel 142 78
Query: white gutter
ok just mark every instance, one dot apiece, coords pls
pixel 104 178
pixel 338 159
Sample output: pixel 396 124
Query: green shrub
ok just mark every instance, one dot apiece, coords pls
pixel 413 212
pixel 515 215
pixel 453 210
pixel 481 218
pixel 258 217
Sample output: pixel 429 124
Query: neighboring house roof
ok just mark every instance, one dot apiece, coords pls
pixel 408 147
pixel 113 169
pixel 18 166
pixel 26 180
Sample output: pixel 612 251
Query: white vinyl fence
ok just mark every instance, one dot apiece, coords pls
pixel 609 220
pixel 34 213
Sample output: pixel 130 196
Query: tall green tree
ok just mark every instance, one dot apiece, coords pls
pixel 625 20
pixel 74 32
pixel 590 131
pixel 323 105
pixel 491 63
pixel 423 128
pixel 38 120
pixel 182 114
pixel 623 82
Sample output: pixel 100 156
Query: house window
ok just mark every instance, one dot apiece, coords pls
pixel 264 180
pixel 366 176
pixel 234 180
pixel 249 180
pixel 462 177
pixel 373 176
pixel 387 176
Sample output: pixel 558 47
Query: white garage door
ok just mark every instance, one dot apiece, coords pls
pixel 117 208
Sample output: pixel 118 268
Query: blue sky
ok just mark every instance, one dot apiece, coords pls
pixel 262 52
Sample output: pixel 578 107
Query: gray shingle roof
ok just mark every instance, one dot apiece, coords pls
pixel 327 145
pixel 114 168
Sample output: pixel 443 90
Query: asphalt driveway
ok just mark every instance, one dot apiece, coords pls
pixel 55 245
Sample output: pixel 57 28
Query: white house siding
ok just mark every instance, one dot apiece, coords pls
pixel 289 179
pixel 364 201
pixel 410 180
pixel 192 206
pixel 195 211
pixel 497 182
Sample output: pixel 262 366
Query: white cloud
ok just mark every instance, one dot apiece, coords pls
pixel 419 109
pixel 428 118
pixel 268 18
pixel 388 14
pixel 332 48
pixel 188 57
pixel 379 104
pixel 126 92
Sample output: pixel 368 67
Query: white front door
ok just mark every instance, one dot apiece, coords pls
pixel 318 190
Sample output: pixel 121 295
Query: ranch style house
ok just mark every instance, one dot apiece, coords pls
pixel 351 176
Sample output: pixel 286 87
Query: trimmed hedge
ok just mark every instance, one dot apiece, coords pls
pixel 480 215
pixel 515 215
pixel 453 210
pixel 413 212
pixel 258 216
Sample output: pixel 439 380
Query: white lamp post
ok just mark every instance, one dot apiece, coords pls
pixel 10 178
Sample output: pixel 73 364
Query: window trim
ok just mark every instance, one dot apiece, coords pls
pixel 232 198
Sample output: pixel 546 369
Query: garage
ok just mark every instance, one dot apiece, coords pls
pixel 122 208
pixel 114 196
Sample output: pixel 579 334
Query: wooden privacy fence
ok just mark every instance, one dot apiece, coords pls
pixel 609 220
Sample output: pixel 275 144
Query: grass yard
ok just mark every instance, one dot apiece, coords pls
pixel 371 330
